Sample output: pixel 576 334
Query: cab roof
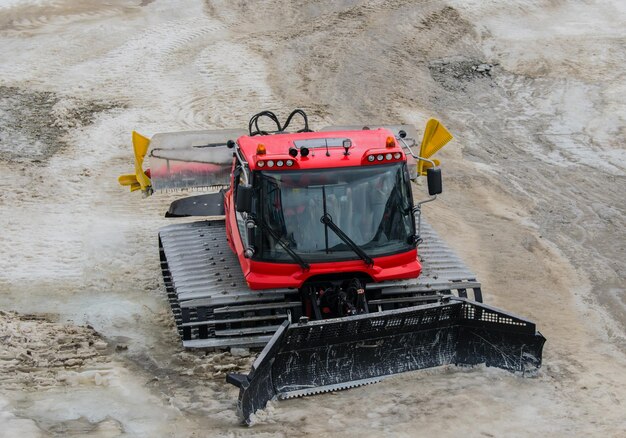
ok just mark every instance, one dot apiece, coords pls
pixel 326 148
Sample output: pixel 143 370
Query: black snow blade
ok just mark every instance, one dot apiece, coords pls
pixel 320 356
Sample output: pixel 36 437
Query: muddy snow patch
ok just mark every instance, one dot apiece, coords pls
pixel 12 425
pixel 454 74
pixel 36 351
pixel 33 123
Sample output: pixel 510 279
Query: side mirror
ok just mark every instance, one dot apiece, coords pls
pixel 244 199
pixel 433 176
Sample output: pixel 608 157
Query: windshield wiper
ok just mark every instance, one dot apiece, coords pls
pixel 328 221
pixel 304 265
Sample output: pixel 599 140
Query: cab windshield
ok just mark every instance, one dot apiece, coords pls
pixel 372 205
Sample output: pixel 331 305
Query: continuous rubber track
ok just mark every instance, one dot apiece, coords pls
pixel 213 307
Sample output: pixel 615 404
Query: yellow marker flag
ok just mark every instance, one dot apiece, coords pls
pixel 139 180
pixel 129 180
pixel 140 146
pixel 435 137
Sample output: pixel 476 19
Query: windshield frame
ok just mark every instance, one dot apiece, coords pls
pixel 322 256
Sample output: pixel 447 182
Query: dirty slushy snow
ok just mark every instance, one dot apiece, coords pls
pixel 534 182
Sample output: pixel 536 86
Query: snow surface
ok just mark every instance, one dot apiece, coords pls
pixel 533 201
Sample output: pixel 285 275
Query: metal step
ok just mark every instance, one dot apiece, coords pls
pixel 247 331
pixel 252 307
pixel 250 319
pixel 248 342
